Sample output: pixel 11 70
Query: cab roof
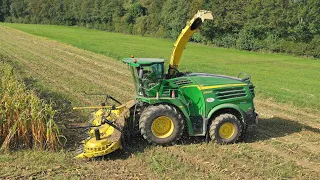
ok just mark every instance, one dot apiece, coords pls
pixel 142 61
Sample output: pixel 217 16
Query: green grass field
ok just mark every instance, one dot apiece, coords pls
pixel 287 79
pixel 284 146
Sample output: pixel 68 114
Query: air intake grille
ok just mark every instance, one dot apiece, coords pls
pixel 166 92
pixel 230 93
pixel 251 88
pixel 182 82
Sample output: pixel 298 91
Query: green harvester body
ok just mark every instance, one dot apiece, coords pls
pixel 198 96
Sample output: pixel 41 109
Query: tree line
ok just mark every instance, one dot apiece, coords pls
pixel 287 26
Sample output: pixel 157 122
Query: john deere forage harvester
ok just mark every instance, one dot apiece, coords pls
pixel 217 106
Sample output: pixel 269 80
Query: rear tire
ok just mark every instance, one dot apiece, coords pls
pixel 161 124
pixel 225 129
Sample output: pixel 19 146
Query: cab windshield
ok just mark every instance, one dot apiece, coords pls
pixel 152 75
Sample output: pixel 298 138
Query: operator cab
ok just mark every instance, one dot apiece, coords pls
pixel 146 73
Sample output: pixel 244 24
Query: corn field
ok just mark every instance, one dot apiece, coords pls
pixel 25 120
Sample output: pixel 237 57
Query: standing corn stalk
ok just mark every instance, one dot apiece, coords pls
pixel 25 120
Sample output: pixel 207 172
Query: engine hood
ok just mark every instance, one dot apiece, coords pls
pixel 203 79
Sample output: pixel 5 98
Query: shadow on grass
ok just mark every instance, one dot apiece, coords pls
pixel 276 127
pixel 138 144
pixel 266 129
pixel 64 113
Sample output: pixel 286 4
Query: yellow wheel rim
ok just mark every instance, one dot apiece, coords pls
pixel 227 130
pixel 162 127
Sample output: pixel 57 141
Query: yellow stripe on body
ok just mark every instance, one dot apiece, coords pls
pixel 220 86
pixel 190 86
pixel 214 87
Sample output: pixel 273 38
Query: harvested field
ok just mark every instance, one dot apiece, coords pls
pixel 284 146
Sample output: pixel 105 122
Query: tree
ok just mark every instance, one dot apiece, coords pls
pixel 18 9
pixel 1 13
pixel 275 25
pixel 152 18
pixel 111 13
pixel 174 16
pixel 4 9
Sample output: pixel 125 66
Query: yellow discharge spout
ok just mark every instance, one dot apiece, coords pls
pixel 191 27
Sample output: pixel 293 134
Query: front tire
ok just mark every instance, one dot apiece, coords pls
pixel 161 124
pixel 225 129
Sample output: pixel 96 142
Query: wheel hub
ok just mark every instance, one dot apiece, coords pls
pixel 162 127
pixel 227 130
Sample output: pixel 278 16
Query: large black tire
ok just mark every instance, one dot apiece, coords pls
pixel 225 129
pixel 161 124
pixel 244 133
